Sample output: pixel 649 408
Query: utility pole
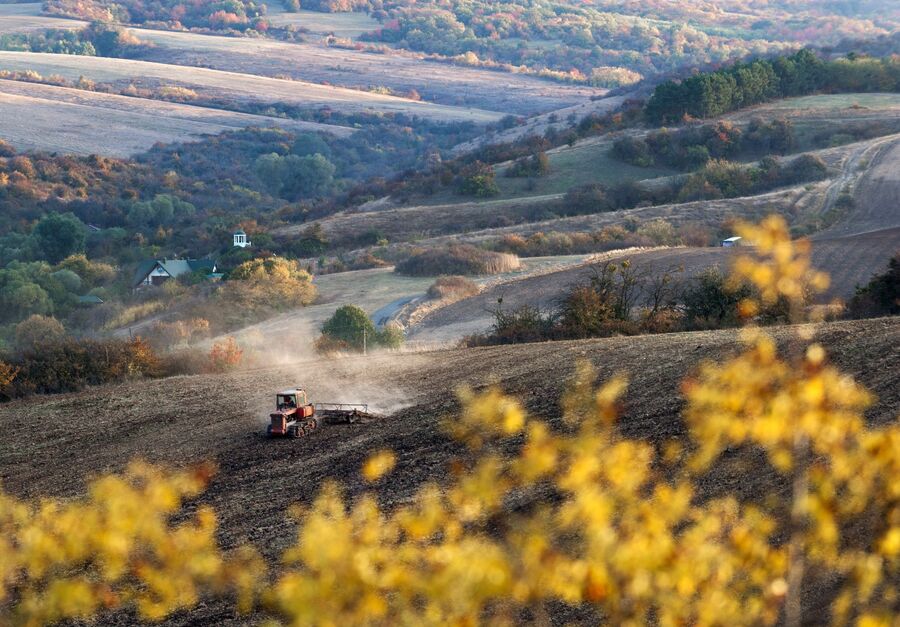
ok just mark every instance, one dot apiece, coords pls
pixel 364 341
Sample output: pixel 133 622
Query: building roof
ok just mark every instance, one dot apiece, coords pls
pixel 90 299
pixel 240 232
pixel 736 238
pixel 172 267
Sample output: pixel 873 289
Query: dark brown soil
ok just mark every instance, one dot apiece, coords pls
pixel 50 445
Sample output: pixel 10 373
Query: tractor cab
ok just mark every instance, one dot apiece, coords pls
pixel 291 411
pixel 290 399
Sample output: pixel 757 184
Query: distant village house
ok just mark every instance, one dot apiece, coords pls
pixel 158 271
pixel 732 241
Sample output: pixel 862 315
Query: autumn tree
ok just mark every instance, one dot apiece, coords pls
pixel 274 282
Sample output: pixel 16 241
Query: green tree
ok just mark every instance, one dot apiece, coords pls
pixel 59 235
pixel 351 326
pixel 27 298
pixel 711 303
pixel 37 330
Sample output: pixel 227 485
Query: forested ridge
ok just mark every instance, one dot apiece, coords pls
pixel 708 94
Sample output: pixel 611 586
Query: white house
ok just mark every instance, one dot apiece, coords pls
pixel 731 241
pixel 240 239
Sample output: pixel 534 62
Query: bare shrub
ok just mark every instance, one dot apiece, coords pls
pixel 457 259
pixel 452 287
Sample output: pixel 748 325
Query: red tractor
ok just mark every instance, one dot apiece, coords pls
pixel 295 416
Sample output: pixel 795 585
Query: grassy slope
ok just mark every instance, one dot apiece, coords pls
pixel 50 118
pixel 350 25
pixel 232 85
pixel 435 82
pixel 586 162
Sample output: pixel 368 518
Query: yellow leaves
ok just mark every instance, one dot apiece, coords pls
pixel 782 268
pixel 890 543
pixel 120 537
pixel 379 465
pixel 486 415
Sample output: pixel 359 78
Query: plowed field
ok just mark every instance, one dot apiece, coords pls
pixel 49 445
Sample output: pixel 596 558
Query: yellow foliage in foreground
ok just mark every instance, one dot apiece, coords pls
pixel 572 514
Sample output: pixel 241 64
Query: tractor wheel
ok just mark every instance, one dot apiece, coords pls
pixel 295 432
pixel 268 431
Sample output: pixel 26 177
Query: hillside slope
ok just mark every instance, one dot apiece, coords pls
pixel 73 121
pixel 436 82
pixel 187 419
pixel 227 85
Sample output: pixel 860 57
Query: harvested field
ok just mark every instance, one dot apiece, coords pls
pixel 25 17
pixel 187 419
pixel 348 25
pixel 59 119
pixel 876 194
pixel 241 88
pixel 852 260
pixel 435 82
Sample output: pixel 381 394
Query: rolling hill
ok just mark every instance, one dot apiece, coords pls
pixel 241 88
pixel 61 119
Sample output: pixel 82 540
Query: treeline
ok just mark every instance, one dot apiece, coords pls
pixel 186 199
pixel 710 94
pixel 236 15
pixel 717 179
pixel 605 44
pixel 97 39
pixel 622 298
pixel 65 364
pixel 692 147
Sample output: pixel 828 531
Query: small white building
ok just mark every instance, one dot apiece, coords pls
pixel 732 241
pixel 240 239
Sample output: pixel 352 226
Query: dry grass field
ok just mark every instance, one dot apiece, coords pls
pixel 241 88
pixel 25 17
pixel 221 418
pixel 315 62
pixel 485 94
pixel 59 119
pixel 850 261
pixel 349 25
